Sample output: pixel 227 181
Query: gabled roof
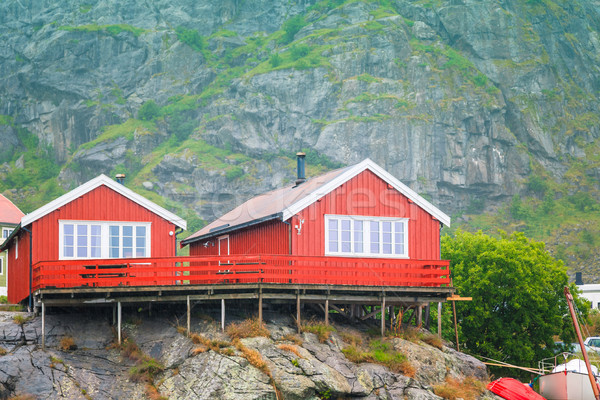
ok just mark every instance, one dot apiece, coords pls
pixel 93 184
pixel 286 202
pixel 9 213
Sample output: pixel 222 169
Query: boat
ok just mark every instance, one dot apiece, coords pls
pixel 512 389
pixel 568 380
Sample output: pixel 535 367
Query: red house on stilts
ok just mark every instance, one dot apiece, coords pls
pixel 358 212
pixel 101 219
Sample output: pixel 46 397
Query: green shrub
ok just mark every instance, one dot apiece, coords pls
pixel 299 51
pixel 291 27
pixel 275 60
pixel 148 111
pixel 191 37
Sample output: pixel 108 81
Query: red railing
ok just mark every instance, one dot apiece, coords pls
pixel 240 269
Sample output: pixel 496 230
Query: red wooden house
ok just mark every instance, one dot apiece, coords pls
pixel 101 219
pixel 360 214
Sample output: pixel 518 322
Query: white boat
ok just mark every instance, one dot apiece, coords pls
pixel 566 381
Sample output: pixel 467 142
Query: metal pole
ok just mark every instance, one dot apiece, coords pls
pixel 383 316
pixel 440 319
pixel 580 339
pixel 260 315
pixel 119 322
pixel 298 323
pixel 189 316
pixel 222 315
pixel 43 326
pixel 326 312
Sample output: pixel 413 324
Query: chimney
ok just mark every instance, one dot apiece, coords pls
pixel 578 279
pixel 120 178
pixel 301 170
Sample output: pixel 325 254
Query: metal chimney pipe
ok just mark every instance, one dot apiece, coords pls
pixel 120 178
pixel 301 168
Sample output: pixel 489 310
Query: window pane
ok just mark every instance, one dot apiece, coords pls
pixel 333 235
pixel 95 241
pixel 69 251
pixel 127 241
pixel 68 240
pixel 358 236
pixel 386 229
pixel 374 225
pixel 68 229
pixel 399 238
pixel 346 236
pixel 113 241
pixel 82 241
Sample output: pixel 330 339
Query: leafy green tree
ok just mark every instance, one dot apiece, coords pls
pixel 291 27
pixel 518 305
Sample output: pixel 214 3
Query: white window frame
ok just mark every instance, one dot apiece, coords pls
pixel 1 264
pixel 366 235
pixel 104 238
pixel 6 233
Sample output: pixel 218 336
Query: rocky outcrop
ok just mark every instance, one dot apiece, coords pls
pixel 458 99
pixel 305 369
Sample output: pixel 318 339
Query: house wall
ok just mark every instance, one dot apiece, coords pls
pixel 367 195
pixel 268 238
pixel 18 278
pixel 100 204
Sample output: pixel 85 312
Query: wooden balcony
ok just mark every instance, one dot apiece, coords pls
pixel 239 270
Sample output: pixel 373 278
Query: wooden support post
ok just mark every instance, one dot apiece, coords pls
pixel 119 322
pixel 298 312
pixel 455 325
pixel 222 315
pixel 326 312
pixel 383 316
pixel 440 319
pixel 260 306
pixel 427 315
pixel 150 309
pixel 114 315
pixel 189 316
pixel 419 316
pixel 43 326
pixel 392 315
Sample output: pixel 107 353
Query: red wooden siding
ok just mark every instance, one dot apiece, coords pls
pixel 18 275
pixel 268 238
pixel 367 195
pixel 100 204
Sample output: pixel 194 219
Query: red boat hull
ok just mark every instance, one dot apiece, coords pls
pixel 512 389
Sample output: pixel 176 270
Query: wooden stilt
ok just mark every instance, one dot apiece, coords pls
pixel 427 315
pixel 419 316
pixel 119 323
pixel 43 326
pixel 392 317
pixel 189 316
pixel 383 316
pixel 222 315
pixel 326 312
pixel 455 324
pixel 114 315
pixel 440 319
pixel 260 306
pixel 298 323
pixel 150 309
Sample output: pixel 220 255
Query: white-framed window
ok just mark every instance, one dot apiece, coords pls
pixel 352 235
pixel 6 232
pixel 1 264
pixel 102 239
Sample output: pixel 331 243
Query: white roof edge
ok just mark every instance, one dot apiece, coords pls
pixel 93 184
pixel 351 173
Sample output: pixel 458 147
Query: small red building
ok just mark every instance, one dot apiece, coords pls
pixel 360 211
pixel 101 219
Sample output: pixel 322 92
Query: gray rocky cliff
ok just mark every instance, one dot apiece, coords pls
pixel 303 369
pixel 458 99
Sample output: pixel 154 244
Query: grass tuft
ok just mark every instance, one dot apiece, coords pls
pixel 253 357
pixel 291 348
pixel 247 328
pixel 320 329
pixel 67 343
pixel 380 352
pixel 453 389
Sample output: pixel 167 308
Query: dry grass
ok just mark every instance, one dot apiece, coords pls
pixel 353 338
pixel 290 337
pixel 318 328
pixel 3 351
pixel 291 348
pixel 67 343
pixel 453 389
pixel 181 330
pixel 153 394
pixel 247 328
pixel 199 350
pixel 433 340
pixel 253 357
pixel 218 346
pixel 22 396
pixel 20 320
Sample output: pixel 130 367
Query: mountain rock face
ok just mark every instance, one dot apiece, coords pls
pixel 461 99
pixel 304 368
